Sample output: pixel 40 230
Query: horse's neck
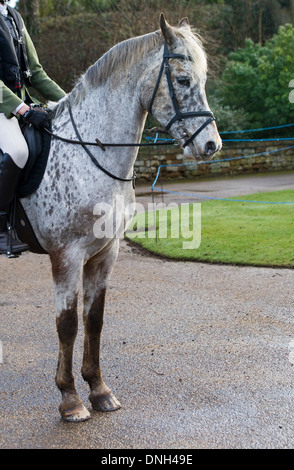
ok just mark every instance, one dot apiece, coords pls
pixel 113 115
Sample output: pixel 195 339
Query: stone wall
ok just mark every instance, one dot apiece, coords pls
pixel 150 158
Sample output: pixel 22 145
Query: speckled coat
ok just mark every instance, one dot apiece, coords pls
pixel 110 102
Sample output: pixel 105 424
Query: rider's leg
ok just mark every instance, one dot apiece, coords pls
pixel 12 141
pixel 15 155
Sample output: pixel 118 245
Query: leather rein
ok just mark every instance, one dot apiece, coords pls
pixel 179 116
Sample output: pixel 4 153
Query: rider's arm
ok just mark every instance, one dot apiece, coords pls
pixel 39 79
pixel 8 100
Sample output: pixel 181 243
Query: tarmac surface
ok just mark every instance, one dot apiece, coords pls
pixel 226 187
pixel 200 356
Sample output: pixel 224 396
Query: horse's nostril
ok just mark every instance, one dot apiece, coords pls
pixel 210 147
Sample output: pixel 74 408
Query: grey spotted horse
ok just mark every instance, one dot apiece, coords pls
pixel 163 73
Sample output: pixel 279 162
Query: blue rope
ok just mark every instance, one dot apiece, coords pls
pixel 217 161
pixel 219 199
pixel 155 139
pixel 268 152
pixel 243 131
pixel 257 130
pixel 277 139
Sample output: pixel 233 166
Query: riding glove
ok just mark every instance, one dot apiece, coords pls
pixel 36 117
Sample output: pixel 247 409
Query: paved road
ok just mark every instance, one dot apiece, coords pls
pixel 200 356
pixel 226 187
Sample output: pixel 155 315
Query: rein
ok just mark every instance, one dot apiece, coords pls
pixel 118 178
pixel 97 143
pixel 179 116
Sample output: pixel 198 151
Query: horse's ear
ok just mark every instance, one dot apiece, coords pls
pixel 167 30
pixel 184 23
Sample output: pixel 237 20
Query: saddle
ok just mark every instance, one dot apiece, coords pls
pixel 39 143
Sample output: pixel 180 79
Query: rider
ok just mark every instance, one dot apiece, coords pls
pixel 19 69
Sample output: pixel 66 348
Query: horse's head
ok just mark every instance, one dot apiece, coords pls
pixel 178 100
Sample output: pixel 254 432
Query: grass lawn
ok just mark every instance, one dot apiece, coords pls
pixel 242 233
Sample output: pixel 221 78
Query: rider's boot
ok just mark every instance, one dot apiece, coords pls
pixel 9 177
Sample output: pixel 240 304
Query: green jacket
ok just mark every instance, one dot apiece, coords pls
pixel 40 81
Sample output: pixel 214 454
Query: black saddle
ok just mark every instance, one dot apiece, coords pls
pixel 39 147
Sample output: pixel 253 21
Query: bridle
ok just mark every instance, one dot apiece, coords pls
pixel 179 116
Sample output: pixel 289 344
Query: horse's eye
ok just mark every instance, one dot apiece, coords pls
pixel 184 81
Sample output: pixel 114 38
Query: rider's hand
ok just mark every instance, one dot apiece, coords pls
pixel 37 117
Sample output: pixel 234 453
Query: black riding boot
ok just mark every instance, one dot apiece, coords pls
pixel 9 177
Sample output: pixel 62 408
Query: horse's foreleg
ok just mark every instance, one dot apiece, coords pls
pixel 96 275
pixel 66 277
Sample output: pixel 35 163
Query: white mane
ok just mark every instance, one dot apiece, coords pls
pixel 124 54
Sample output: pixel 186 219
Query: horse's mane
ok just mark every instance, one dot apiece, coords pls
pixel 124 54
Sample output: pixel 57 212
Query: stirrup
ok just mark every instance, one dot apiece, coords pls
pixel 10 254
pixel 11 247
pixel 14 246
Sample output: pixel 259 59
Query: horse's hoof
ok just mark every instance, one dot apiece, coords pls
pixel 76 415
pixel 105 402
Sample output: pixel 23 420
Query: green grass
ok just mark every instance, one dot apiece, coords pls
pixel 240 233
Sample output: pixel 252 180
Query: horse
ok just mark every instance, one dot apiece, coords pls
pixel 164 73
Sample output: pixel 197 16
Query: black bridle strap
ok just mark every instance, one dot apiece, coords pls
pixel 156 88
pixel 198 131
pixel 190 115
pixel 166 57
pixel 179 116
pixel 165 65
pixel 104 145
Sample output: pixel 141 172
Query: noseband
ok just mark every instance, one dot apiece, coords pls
pixel 179 116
